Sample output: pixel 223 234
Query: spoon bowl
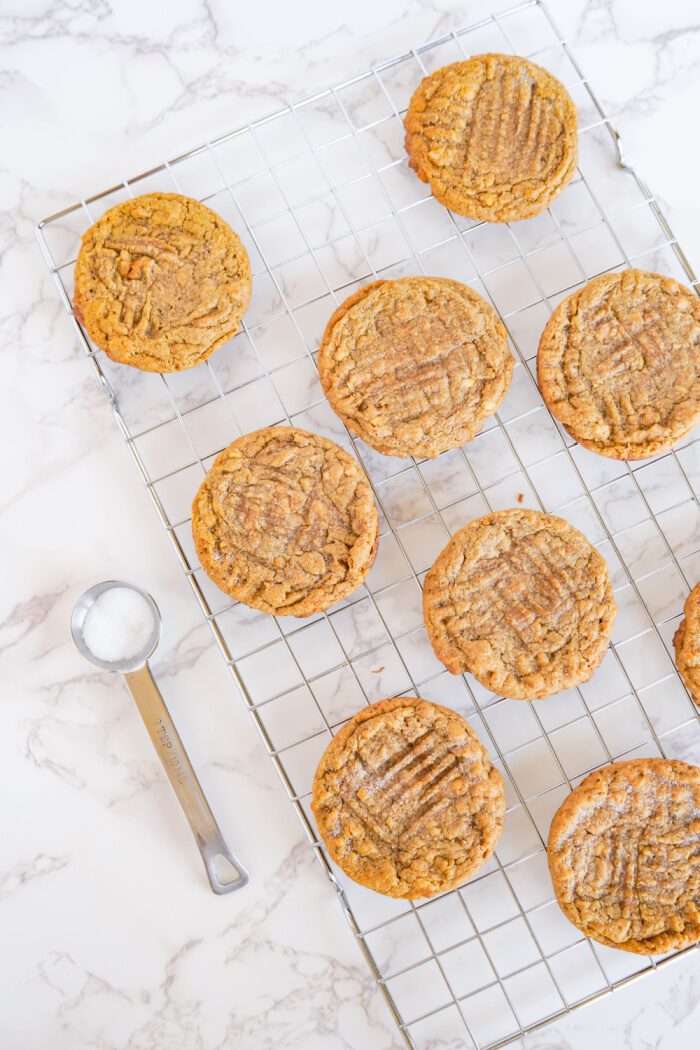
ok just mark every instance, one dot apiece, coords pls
pixel 83 606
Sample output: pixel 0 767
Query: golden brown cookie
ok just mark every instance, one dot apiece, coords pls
pixel 687 644
pixel 285 521
pixel 415 366
pixel 624 855
pixel 619 364
pixel 495 136
pixel 521 600
pixel 161 282
pixel 406 799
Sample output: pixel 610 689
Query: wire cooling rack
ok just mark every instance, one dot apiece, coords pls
pixel 324 201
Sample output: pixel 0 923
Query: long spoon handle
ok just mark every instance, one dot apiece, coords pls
pixel 167 742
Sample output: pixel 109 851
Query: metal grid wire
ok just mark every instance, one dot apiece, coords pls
pixel 324 200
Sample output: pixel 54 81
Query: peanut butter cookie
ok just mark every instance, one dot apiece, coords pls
pixel 285 521
pixel 687 644
pixel 624 855
pixel 161 282
pixel 495 136
pixel 406 799
pixel 521 600
pixel 415 366
pixel 619 364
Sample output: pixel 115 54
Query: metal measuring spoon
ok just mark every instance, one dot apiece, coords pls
pixel 166 740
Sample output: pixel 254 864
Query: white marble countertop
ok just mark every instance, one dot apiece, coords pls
pixel 110 937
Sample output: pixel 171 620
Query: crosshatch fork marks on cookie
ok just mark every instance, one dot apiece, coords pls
pixel 619 364
pixel 405 802
pixel 523 601
pixel 406 799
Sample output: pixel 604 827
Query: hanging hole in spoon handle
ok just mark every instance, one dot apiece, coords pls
pixel 224 871
pixel 231 875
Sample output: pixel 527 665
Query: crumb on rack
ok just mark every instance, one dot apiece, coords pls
pixel 521 497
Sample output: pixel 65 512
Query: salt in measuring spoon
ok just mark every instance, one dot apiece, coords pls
pixel 231 874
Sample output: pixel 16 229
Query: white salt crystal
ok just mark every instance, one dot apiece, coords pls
pixel 119 625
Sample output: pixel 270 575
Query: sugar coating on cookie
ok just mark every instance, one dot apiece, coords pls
pixel 494 136
pixel 686 642
pixel 414 366
pixel 406 799
pixel 160 282
pixel 619 364
pixel 285 521
pixel 521 600
pixel 624 855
